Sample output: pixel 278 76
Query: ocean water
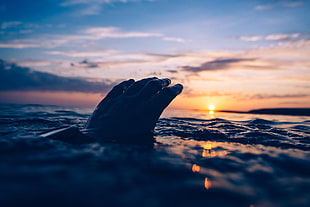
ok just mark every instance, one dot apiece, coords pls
pixel 199 159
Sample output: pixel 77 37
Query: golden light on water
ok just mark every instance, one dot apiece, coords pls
pixel 206 149
pixel 207 183
pixel 207 146
pixel 209 151
pixel 211 110
pixel 195 168
pixel 204 153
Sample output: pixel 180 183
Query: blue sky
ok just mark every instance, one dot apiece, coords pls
pixel 215 48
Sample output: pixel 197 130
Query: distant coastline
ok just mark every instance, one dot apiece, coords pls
pixel 276 111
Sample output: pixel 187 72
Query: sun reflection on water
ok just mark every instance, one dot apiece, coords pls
pixel 211 114
pixel 207 146
pixel 195 168
pixel 207 183
pixel 208 150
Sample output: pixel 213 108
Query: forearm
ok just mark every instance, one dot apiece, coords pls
pixel 74 135
pixel 70 134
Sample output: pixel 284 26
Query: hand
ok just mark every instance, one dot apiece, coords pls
pixel 131 110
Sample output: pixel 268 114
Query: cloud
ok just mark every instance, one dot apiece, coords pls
pixel 96 33
pixel 279 4
pixel 195 93
pixel 34 63
pixel 164 56
pixel 270 37
pixel 175 39
pixel 287 57
pixel 14 77
pixel 277 96
pixel 89 64
pixel 6 25
pixel 89 34
pixel 13 27
pixel 214 65
pixel 85 36
pixel 93 7
pixel 18 45
pixel 91 10
pixel 104 59
pixel 74 53
pixel 78 2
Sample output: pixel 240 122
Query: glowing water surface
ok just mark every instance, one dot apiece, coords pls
pixel 199 159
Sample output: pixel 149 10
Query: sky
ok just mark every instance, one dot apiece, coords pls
pixel 234 54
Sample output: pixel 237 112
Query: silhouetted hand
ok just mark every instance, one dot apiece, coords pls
pixel 131 110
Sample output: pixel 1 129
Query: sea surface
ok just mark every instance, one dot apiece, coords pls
pixel 199 159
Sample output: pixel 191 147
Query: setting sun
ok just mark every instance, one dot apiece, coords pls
pixel 211 107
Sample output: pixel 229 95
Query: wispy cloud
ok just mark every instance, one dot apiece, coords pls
pixel 96 33
pixel 14 77
pixel 289 57
pixel 94 7
pixel 6 25
pixel 104 59
pixel 33 63
pixel 74 53
pixel 195 93
pixel 77 2
pixel 18 45
pixel 89 64
pixel 270 37
pixel 219 64
pixel 18 25
pixel 279 4
pixel 175 39
pixel 89 34
pixel 277 96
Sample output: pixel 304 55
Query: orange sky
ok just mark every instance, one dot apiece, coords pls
pixel 181 102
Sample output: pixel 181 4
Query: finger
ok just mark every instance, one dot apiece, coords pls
pixel 120 88
pixel 161 100
pixel 136 87
pixel 117 90
pixel 153 87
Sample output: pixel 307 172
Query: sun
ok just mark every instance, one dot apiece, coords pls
pixel 211 107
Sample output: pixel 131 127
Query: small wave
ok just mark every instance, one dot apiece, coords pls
pixel 69 113
pixel 250 132
pixel 221 162
pixel 261 121
pixel 34 121
pixel 303 128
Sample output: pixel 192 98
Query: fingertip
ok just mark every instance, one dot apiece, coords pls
pixel 154 86
pixel 175 89
pixel 161 100
pixel 130 81
pixel 179 88
pixel 166 82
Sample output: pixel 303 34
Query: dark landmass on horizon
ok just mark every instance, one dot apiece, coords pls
pixel 275 111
